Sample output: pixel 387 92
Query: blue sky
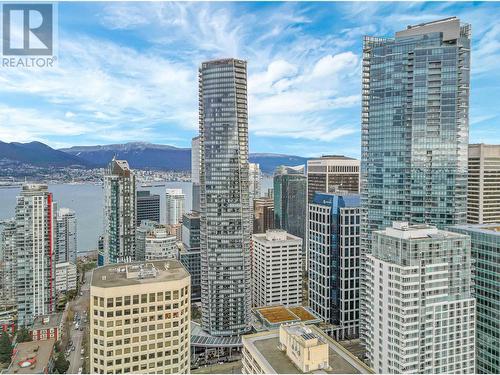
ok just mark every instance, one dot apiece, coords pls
pixel 128 72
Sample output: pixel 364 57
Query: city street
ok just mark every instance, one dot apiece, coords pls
pixel 79 306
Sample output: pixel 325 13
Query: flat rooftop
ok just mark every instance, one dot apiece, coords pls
pixel 47 321
pixel 406 231
pixel 127 274
pixel 31 357
pixel 270 316
pixel 266 346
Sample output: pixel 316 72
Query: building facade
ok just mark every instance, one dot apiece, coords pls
pixel 290 196
pixel 263 215
pixel 195 172
pixel 330 173
pixel 419 302
pixel 148 206
pixel 255 181
pixel 140 317
pixel 334 261
pixel 174 199
pixel 119 213
pixel 66 241
pixel 8 259
pixel 154 242
pixel 35 253
pixel 225 224
pixel 483 193
pixel 414 130
pixel 485 244
pixel 415 123
pixel 276 269
pixel 190 255
pixel 66 277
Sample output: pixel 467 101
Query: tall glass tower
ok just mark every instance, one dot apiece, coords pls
pixel 415 124
pixel 225 207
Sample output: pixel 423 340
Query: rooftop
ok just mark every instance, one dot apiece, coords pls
pixel 265 345
pixel 270 317
pixel 32 357
pixel 46 321
pixel 274 235
pixel 127 274
pixel 405 231
pixel 491 228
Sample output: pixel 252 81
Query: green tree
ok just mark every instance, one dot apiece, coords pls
pixel 61 364
pixel 23 335
pixel 5 348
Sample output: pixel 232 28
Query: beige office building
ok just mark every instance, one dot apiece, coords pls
pixel 483 192
pixel 295 349
pixel 140 318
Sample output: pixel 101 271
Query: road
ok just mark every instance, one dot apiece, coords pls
pixel 79 306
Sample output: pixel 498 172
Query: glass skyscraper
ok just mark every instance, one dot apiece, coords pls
pixel 119 213
pixel 485 245
pixel 415 122
pixel 290 201
pixel 225 207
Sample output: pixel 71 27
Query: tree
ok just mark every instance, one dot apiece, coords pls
pixel 23 335
pixel 62 364
pixel 5 348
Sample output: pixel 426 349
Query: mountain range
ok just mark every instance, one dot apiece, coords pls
pixel 140 155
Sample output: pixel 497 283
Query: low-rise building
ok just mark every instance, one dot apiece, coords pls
pixel 140 318
pixel 297 348
pixel 66 277
pixel 47 327
pixel 33 357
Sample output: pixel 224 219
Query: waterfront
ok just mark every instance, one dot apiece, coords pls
pixel 87 201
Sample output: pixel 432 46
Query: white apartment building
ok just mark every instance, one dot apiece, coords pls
pixel 160 245
pixel 174 199
pixel 66 236
pixel 66 276
pixel 419 306
pixel 277 268
pixel 140 315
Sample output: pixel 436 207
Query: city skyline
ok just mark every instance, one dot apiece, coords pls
pixel 313 53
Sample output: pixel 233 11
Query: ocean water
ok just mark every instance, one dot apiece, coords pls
pixel 87 202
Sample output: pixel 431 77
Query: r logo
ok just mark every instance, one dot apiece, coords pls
pixel 27 29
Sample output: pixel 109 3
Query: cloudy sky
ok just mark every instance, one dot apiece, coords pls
pixel 128 72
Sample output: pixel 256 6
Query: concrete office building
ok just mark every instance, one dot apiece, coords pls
pixel 331 173
pixel 195 172
pixel 485 244
pixel 35 253
pixel 225 207
pixel 276 269
pixel 414 129
pixel 119 213
pixel 483 192
pixel 334 261
pixel 66 277
pixel 419 303
pixel 154 242
pixel 290 196
pixel 148 206
pixel 140 318
pixel 174 199
pixel 66 232
pixel 297 349
pixel 263 215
